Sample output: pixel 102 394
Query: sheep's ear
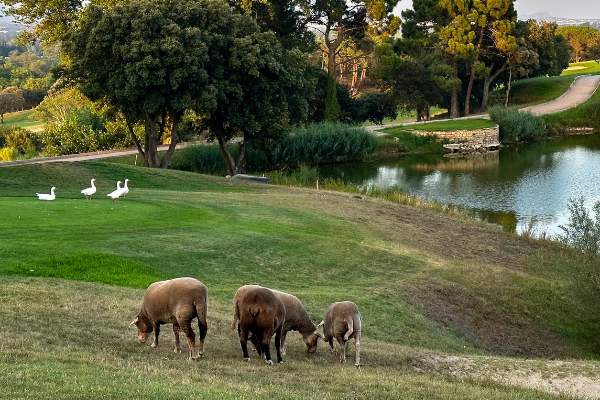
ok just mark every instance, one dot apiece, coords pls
pixel 321 324
pixel 134 322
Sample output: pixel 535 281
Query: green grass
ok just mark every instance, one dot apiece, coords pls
pixel 590 67
pixel 21 118
pixel 73 273
pixel 463 124
pixel 407 117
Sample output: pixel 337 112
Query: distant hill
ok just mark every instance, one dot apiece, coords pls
pixel 545 16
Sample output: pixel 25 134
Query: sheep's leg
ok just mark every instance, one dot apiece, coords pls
pixel 342 344
pixel 283 336
pixel 156 328
pixel 191 337
pixel 244 341
pixel 176 333
pixel 333 351
pixel 350 325
pixel 202 329
pixel 279 339
pixel 266 339
pixel 357 345
pixel 236 316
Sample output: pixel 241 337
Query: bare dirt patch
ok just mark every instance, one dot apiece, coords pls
pixel 574 378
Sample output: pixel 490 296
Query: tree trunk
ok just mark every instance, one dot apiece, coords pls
pixel 332 46
pixel 508 88
pixel 138 145
pixel 486 86
pixel 166 160
pixel 454 94
pixel 354 77
pixel 229 162
pixel 472 77
pixel 151 158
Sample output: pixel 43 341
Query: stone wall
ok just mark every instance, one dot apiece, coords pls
pixel 466 140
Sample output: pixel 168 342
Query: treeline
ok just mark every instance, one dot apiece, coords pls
pixel 160 72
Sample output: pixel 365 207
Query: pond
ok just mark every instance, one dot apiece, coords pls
pixel 520 187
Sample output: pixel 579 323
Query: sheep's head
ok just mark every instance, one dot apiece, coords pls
pixel 311 341
pixel 144 328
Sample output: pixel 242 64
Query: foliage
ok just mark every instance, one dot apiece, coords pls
pixel 515 125
pixel 375 106
pixel 17 138
pixel 11 99
pixel 332 108
pixel 582 39
pixel 8 154
pixel 151 60
pixel 407 142
pixel 583 233
pixel 552 49
pixel 315 144
pixel 59 104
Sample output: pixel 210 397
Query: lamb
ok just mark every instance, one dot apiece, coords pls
pixel 263 314
pixel 342 322
pixel 296 318
pixel 177 302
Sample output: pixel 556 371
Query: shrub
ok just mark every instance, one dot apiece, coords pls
pixel 375 106
pixel 69 138
pixel 19 138
pixel 515 125
pixel 583 233
pixel 202 159
pixel 8 154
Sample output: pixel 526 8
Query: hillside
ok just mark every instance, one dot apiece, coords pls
pixel 430 286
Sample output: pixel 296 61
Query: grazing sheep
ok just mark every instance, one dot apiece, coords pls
pixel 177 302
pixel 261 313
pixel 296 318
pixel 342 322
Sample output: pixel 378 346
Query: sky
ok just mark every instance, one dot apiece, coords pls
pixel 557 8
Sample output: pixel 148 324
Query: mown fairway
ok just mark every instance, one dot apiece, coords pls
pixel 73 272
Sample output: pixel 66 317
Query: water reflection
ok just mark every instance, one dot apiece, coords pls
pixel 522 187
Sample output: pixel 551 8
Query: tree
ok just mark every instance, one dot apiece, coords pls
pixel 259 90
pixel 581 38
pixel 553 50
pixel 148 59
pixel 283 17
pixel 11 99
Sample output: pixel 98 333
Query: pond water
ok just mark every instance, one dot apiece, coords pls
pixel 520 187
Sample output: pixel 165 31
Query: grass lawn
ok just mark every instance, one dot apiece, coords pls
pixel 429 286
pixel 474 123
pixel 21 118
pixel 410 117
pixel 582 68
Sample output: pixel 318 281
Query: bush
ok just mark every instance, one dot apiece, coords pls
pixel 202 159
pixel 8 154
pixel 515 125
pixel 19 138
pixel 375 106
pixel 583 233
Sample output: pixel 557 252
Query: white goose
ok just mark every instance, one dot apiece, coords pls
pixel 116 193
pixel 43 196
pixel 89 191
pixel 125 189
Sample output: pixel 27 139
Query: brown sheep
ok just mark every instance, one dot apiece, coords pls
pixel 177 302
pixel 263 314
pixel 296 318
pixel 342 322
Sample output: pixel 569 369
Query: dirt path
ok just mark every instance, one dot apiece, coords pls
pixel 582 89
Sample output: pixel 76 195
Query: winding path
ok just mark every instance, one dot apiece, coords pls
pixel 580 90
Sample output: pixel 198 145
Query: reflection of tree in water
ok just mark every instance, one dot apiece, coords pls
pixel 507 220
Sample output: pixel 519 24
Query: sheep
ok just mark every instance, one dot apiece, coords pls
pixel 177 302
pixel 263 314
pixel 342 322
pixel 296 318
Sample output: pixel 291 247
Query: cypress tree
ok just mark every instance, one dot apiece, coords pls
pixel 332 107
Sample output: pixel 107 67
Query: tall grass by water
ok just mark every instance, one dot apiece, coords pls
pixel 314 144
pixel 515 125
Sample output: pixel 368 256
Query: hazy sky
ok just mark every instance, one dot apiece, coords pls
pixel 556 8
